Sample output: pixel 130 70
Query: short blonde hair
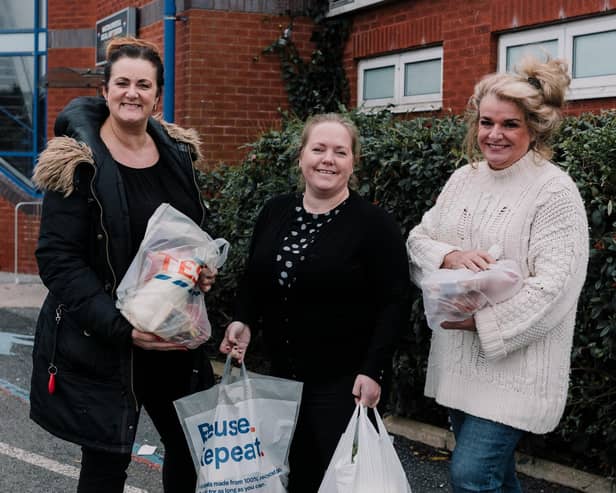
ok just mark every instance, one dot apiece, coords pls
pixel 537 88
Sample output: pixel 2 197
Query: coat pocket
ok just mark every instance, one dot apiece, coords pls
pixel 81 353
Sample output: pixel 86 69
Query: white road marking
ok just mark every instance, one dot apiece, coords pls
pixel 50 465
pixel 7 339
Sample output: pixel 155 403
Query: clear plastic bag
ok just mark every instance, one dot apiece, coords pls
pixel 159 292
pixel 454 295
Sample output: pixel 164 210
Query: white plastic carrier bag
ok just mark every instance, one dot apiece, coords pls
pixel 454 295
pixel 365 460
pixel 159 292
pixel 239 432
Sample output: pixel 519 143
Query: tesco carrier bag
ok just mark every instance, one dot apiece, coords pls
pixel 159 292
pixel 239 432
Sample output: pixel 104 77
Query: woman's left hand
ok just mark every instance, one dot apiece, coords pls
pixel 207 277
pixel 468 324
pixel 366 391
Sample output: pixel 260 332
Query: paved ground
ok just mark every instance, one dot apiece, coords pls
pixel 426 466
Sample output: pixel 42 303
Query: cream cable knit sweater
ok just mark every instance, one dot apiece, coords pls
pixel 515 368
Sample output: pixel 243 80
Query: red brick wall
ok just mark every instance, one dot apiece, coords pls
pixel 71 14
pixel 27 229
pixel 6 230
pixel 57 98
pixel 225 87
pixel 468 33
pixel 28 221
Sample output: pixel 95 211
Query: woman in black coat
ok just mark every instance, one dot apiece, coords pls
pixel 105 173
pixel 327 279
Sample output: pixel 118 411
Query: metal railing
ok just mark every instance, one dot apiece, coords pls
pixel 36 206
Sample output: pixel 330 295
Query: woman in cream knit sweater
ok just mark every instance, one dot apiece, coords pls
pixel 505 369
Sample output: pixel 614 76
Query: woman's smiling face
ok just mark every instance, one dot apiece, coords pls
pixel 326 160
pixel 502 135
pixel 132 91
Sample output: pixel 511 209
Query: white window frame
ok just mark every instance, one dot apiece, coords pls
pixel 399 102
pixel 581 88
pixel 350 6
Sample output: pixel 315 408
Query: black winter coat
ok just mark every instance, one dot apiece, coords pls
pixel 83 252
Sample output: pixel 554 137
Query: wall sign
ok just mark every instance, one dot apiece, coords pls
pixel 122 23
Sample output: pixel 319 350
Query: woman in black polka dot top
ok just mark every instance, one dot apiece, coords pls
pixel 327 281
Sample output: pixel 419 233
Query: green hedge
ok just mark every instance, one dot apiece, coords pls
pixel 404 164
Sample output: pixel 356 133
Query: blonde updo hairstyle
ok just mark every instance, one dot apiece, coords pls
pixel 537 88
pixel 315 120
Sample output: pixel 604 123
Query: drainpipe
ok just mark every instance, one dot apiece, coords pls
pixel 169 61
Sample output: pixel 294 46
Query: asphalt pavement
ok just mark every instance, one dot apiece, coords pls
pixel 31 460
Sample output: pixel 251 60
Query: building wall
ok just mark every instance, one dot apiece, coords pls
pixel 468 31
pixel 225 87
pixel 14 202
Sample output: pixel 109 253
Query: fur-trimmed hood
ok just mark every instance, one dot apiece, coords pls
pixel 186 135
pixel 77 128
pixel 55 169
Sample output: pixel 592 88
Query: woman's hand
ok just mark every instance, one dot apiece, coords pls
pixel 366 391
pixel 474 260
pixel 468 324
pixel 207 277
pixel 236 340
pixel 149 341
pixel 469 302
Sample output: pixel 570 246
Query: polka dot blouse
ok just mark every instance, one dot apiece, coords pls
pixel 304 230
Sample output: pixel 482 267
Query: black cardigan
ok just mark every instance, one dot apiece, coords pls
pixel 345 312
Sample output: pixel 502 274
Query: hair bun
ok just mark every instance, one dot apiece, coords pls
pixel 117 43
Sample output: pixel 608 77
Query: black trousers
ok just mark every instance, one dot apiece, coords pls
pixel 324 414
pixel 160 377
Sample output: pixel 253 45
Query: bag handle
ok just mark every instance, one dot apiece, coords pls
pixel 381 428
pixel 226 373
pixel 364 421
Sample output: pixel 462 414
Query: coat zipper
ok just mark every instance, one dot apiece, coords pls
pixel 52 369
pixel 199 197
pixel 113 288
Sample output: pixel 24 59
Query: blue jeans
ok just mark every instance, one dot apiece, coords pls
pixel 483 459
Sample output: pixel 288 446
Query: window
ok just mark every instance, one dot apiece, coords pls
pixel 23 39
pixel 337 7
pixel 584 44
pixel 22 14
pixel 410 81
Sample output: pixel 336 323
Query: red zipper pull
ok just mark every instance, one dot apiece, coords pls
pixel 51 384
